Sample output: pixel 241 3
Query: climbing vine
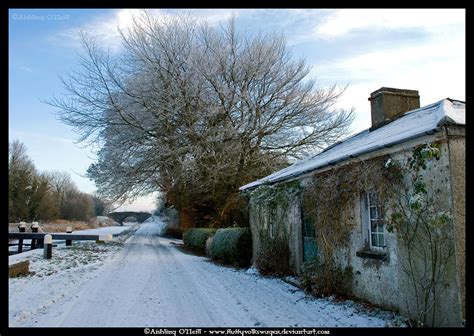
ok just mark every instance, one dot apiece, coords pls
pixel 423 223
pixel 279 194
pixel 410 206
pixel 271 204
pixel 329 199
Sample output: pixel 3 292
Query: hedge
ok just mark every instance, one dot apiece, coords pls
pixel 196 238
pixel 232 246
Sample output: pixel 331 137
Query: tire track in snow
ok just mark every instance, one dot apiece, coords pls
pixel 213 295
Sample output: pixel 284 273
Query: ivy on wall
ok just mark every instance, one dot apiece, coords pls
pixel 411 208
pixel 329 199
pixel 424 226
pixel 271 203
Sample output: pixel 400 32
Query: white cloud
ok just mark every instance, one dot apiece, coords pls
pixel 39 137
pixel 25 68
pixel 343 21
pixel 216 16
pixel 435 67
pixel 104 27
pixel 400 61
pixel 107 27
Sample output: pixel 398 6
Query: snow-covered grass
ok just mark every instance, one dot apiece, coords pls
pixel 54 281
pixel 147 281
pixel 113 230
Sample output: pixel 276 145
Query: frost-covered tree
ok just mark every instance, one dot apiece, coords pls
pixel 195 111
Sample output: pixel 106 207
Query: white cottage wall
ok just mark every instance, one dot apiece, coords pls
pixel 382 282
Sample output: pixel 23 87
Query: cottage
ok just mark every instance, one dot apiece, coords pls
pixel 384 207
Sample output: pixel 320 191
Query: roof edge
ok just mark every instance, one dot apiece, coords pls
pixel 255 184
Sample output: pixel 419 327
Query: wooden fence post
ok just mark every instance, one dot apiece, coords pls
pixel 34 229
pixel 48 246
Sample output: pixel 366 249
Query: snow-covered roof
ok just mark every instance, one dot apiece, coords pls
pixel 411 124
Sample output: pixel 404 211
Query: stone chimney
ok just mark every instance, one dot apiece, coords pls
pixel 387 104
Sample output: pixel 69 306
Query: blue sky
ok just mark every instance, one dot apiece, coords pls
pixel 420 49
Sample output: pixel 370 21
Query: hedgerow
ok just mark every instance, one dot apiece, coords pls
pixel 196 238
pixel 232 246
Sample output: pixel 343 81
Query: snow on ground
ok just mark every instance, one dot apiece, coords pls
pixel 148 281
pixel 159 224
pixel 113 230
pixel 54 281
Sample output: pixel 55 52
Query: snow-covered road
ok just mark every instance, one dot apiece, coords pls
pixel 151 282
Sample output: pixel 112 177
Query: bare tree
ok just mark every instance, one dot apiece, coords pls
pixel 61 183
pixel 21 175
pixel 195 111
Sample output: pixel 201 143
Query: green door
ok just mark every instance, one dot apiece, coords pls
pixel 310 247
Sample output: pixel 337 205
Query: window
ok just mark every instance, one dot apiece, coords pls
pixel 376 227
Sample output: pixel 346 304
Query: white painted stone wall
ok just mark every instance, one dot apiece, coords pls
pixel 382 282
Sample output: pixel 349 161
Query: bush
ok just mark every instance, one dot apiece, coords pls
pixel 273 256
pixel 195 239
pixel 232 246
pixel 325 279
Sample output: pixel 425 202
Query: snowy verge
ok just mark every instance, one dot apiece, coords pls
pixel 55 281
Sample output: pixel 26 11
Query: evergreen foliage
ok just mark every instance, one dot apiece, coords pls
pixel 232 246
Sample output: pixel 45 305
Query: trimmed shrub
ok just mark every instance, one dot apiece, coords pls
pixel 195 239
pixel 232 246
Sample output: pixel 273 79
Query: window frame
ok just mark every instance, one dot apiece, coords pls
pixel 379 228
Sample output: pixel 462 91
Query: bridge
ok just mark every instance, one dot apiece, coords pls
pixel 120 216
